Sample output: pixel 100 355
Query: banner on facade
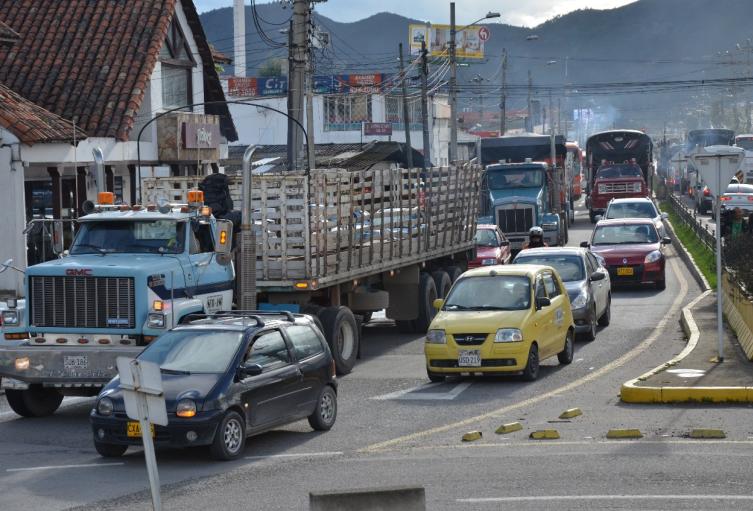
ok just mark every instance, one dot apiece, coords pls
pixel 367 83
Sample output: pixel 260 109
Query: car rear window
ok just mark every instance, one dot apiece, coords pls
pixel 570 267
pixel 640 209
pixel 306 342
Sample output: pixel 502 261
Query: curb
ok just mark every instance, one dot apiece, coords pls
pixel 632 393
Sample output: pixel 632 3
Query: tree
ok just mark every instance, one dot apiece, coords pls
pixel 272 67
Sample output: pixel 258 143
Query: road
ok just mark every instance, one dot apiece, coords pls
pixel 395 428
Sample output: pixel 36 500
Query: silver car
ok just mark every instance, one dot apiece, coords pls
pixel 738 196
pixel 587 282
pixel 637 208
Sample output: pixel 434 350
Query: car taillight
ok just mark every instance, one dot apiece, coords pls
pixel 706 192
pixel 725 198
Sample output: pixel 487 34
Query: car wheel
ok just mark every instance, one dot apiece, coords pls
pixel 325 413
pixel 442 282
pixel 566 355
pixel 230 438
pixel 110 450
pixel 341 331
pixel 607 316
pixel 36 401
pixel 531 372
pixel 435 377
pixel 591 334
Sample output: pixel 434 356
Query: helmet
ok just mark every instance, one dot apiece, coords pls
pixel 536 231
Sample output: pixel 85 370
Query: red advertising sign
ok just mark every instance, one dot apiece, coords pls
pixel 241 86
pixel 377 128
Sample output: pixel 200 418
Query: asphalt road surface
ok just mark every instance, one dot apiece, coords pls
pixel 395 428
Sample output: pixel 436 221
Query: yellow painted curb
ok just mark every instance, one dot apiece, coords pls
pixel 707 433
pixel 509 428
pixel 624 433
pixel 545 434
pixel 704 394
pixel 472 436
pixel 572 412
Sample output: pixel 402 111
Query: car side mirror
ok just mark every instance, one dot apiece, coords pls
pixel 597 275
pixel 438 303
pixel 666 241
pixel 505 243
pixel 585 244
pixel 664 216
pixel 247 370
pixel 542 302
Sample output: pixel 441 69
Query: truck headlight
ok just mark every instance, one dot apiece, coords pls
pixel 580 301
pixel 602 188
pixel 105 406
pixel 436 337
pixel 653 257
pixel 508 335
pixel 156 321
pixel 22 363
pixel 488 262
pixel 185 408
pixel 10 317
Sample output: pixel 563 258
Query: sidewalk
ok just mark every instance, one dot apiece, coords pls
pixel 695 375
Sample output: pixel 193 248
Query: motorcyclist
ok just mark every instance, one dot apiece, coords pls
pixel 535 238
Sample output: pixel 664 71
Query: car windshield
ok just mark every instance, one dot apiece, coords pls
pixel 570 267
pixel 617 171
pixel 514 178
pixel 624 234
pixel 193 351
pixel 486 238
pixel 640 209
pixel 138 236
pixel 492 292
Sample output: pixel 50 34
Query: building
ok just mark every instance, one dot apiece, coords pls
pixel 106 69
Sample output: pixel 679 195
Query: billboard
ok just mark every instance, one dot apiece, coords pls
pixel 368 83
pixel 257 86
pixel 469 42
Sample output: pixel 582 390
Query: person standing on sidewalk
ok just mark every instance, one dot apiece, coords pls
pixel 737 224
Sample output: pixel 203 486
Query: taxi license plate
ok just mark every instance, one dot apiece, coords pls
pixel 625 271
pixel 133 429
pixel 469 358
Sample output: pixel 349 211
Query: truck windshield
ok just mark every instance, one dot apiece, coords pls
pixel 514 178
pixel 625 234
pixel 745 143
pixel 138 236
pixel 497 292
pixel 616 171
pixel 192 351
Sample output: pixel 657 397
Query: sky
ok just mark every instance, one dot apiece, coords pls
pixel 528 13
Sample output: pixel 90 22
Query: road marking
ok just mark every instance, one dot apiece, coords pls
pixel 59 467
pixel 411 394
pixel 297 455
pixel 640 348
pixel 67 403
pixel 551 498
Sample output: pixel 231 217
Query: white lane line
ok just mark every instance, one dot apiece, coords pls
pixel 59 467
pixel 410 394
pixel 67 402
pixel 551 498
pixel 297 455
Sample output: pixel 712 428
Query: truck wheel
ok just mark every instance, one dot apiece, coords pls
pixel 341 331
pixel 110 450
pixel 427 293
pixel 454 272
pixel 442 282
pixel 36 401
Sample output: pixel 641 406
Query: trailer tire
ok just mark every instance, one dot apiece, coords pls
pixel 341 331
pixel 442 282
pixel 36 401
pixel 454 272
pixel 427 293
pixel 405 326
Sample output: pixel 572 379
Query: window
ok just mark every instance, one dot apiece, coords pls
pixel 501 292
pixel 552 288
pixel 305 341
pixel 207 351
pixel 177 66
pixel 593 263
pixel 269 351
pixel 346 112
pixel 175 86
pixel 394 112
pixel 200 239
pixel 120 236
pixel 540 291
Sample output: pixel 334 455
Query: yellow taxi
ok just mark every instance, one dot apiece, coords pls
pixel 499 319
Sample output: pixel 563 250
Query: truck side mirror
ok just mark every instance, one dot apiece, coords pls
pixel 223 244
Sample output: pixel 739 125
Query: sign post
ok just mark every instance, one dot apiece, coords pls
pixel 717 165
pixel 141 383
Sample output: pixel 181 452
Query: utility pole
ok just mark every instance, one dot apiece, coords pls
pixel 425 103
pixel 529 122
pixel 296 79
pixel 406 112
pixel 310 144
pixel 453 89
pixel 239 35
pixel 503 95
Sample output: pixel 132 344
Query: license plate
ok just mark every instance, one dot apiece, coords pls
pixel 214 303
pixel 469 358
pixel 75 361
pixel 625 271
pixel 134 429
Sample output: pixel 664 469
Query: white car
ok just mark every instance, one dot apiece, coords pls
pixel 738 196
pixel 637 208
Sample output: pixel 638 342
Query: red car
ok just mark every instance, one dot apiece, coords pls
pixel 632 249
pixel 491 247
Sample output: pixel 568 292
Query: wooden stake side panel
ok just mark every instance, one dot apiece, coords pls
pixel 335 223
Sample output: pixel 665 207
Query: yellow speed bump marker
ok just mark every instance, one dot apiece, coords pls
pixel 707 433
pixel 545 434
pixel 509 428
pixel 569 414
pixel 472 436
pixel 624 433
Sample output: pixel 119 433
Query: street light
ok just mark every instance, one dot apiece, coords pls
pixel 453 79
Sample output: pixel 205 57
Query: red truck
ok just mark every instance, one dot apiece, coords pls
pixel 619 165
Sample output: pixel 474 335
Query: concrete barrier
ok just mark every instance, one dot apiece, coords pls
pixel 404 498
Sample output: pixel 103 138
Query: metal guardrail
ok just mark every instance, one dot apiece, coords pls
pixel 691 220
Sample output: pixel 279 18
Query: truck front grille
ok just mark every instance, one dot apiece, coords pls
pixel 82 302
pixel 515 220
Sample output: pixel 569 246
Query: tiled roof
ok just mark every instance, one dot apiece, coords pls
pixel 219 57
pixel 93 59
pixel 7 35
pixel 32 123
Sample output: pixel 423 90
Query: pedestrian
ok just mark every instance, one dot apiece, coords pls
pixel 736 225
